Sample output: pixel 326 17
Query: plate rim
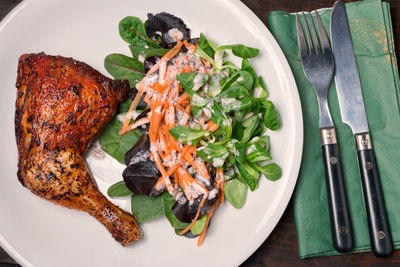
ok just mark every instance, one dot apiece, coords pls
pixel 289 82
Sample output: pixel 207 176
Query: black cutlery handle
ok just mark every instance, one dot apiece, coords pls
pixel 338 210
pixel 379 232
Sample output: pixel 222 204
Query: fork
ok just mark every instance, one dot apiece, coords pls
pixel 318 66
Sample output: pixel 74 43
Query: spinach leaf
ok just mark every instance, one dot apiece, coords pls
pixel 249 174
pixel 237 131
pixel 262 140
pixel 246 79
pixel 244 51
pixel 240 152
pixel 250 125
pixel 229 81
pixel 234 91
pixel 236 193
pixel 215 154
pixel 119 189
pixel 192 80
pixel 146 208
pixel 218 117
pixel 168 201
pixel 256 153
pixel 122 67
pixel 146 52
pixel 187 135
pixel 271 116
pixel 199 225
pixel 230 104
pixel 205 46
pixel 117 145
pixel 260 90
pixel 247 67
pixel 271 171
pixel 240 50
pixel 132 31
pixel 123 107
pixel 215 84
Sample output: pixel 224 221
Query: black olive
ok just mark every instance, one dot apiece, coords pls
pixel 150 62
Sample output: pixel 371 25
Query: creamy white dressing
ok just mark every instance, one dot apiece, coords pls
pixel 240 79
pixel 139 157
pixel 174 34
pixel 248 115
pixel 203 180
pixel 258 92
pixel 218 162
pixel 152 78
pixel 197 82
pixel 227 101
pixel 250 149
pixel 197 99
pixel 207 112
pixel 158 110
pixel 213 193
pixel 141 58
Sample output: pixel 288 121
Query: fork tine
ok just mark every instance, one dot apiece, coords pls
pixel 300 37
pixel 323 37
pixel 314 34
pixel 308 37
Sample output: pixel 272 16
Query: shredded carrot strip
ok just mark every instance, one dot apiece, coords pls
pixel 184 98
pixel 209 215
pixel 132 107
pixel 211 126
pixel 195 218
pixel 190 47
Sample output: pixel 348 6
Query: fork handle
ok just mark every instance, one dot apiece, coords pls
pixel 338 210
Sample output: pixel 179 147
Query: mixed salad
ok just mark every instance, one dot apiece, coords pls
pixel 194 131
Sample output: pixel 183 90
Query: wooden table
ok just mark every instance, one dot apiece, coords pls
pixel 280 249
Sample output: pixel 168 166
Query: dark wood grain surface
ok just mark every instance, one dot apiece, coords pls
pixel 280 249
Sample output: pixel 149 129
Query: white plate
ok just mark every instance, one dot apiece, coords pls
pixel 38 233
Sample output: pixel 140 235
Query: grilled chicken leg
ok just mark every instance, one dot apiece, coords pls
pixel 62 105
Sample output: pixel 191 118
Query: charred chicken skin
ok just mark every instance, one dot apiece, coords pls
pixel 62 106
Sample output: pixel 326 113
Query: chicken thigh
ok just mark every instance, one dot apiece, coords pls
pixel 62 106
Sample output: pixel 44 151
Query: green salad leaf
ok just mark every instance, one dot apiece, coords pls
pixel 122 67
pixel 119 189
pixel 146 208
pixel 168 202
pixel 187 135
pixel 132 31
pixel 271 171
pixel 117 145
pixel 235 192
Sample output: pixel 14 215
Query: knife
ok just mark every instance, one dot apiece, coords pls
pixel 353 114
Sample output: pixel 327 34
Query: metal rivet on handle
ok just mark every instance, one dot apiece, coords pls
pixel 381 235
pixel 368 165
pixel 343 230
pixel 333 160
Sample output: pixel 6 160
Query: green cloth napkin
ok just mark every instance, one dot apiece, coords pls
pixel 371 29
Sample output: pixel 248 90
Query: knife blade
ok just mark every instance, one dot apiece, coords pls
pixel 353 114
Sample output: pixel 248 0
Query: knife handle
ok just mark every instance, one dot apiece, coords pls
pixel 379 232
pixel 338 211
